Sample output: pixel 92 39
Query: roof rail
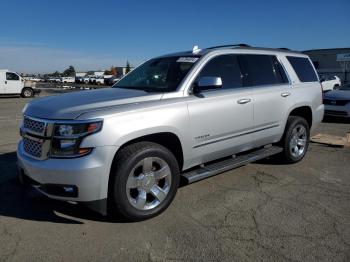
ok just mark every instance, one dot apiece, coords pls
pixel 233 45
pixel 284 48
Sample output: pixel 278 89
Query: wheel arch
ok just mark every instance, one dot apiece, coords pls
pixel 169 140
pixel 305 112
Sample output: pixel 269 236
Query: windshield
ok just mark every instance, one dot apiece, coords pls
pixel 159 74
pixel 345 87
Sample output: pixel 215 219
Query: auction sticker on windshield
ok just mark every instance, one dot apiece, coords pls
pixel 187 59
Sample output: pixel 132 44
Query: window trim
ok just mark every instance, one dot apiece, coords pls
pixel 19 78
pixel 195 72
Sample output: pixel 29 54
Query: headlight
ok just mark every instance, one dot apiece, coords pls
pixel 67 138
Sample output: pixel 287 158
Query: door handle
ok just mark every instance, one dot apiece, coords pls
pixel 285 94
pixel 244 101
pixel 5 82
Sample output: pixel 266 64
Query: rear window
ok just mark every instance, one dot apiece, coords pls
pixel 261 70
pixel 303 69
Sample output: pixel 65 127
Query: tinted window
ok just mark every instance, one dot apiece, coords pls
pixel 12 76
pixel 226 67
pixel 303 69
pixel 262 70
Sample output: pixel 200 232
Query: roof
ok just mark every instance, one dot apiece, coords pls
pixel 205 51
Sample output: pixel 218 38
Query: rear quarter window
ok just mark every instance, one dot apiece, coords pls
pixel 303 69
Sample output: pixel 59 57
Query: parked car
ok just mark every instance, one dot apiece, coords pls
pixel 79 79
pixel 54 79
pixel 126 147
pixel 92 79
pixel 337 102
pixel 11 83
pixel 111 81
pixel 100 80
pixel 86 79
pixel 330 83
pixel 68 79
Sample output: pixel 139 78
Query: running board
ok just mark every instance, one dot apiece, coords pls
pixel 228 164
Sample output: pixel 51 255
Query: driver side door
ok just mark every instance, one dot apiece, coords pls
pixel 221 120
pixel 13 83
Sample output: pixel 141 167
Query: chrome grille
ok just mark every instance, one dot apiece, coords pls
pixel 33 148
pixel 34 125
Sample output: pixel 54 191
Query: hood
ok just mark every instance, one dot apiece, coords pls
pixel 338 95
pixel 70 106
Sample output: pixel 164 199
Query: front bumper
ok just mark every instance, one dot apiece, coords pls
pixel 89 174
pixel 337 111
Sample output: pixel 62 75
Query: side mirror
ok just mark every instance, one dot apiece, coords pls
pixel 208 83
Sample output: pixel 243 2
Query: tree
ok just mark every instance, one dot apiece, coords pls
pixel 128 67
pixel 56 74
pixel 108 72
pixel 70 71
pixel 113 71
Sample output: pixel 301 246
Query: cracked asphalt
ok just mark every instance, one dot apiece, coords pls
pixel 260 212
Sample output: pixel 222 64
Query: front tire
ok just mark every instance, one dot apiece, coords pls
pixel 144 181
pixel 27 92
pixel 295 140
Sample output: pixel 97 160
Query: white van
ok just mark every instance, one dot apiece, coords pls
pixel 68 79
pixel 12 84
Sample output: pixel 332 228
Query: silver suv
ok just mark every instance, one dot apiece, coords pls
pixel 193 114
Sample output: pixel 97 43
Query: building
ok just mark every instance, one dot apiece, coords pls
pixel 330 62
pixel 80 74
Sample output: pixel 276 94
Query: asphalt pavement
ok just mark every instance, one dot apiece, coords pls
pixel 263 211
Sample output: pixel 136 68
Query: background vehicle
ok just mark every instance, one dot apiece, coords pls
pixel 92 79
pixel 86 79
pixel 330 83
pixel 100 80
pixel 192 114
pixel 337 102
pixel 111 81
pixel 68 79
pixel 54 79
pixel 12 84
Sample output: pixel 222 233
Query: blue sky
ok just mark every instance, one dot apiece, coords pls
pixel 43 36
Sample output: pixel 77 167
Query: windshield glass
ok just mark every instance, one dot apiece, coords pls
pixel 345 87
pixel 159 74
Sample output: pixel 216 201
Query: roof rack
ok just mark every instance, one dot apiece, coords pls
pixel 234 45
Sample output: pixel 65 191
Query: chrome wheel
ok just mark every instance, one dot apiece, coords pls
pixel 148 183
pixel 298 141
pixel 27 93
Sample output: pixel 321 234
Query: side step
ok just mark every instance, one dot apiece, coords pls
pixel 228 164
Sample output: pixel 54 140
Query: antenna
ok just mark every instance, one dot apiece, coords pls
pixel 195 49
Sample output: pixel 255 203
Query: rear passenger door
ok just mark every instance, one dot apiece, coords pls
pixel 271 92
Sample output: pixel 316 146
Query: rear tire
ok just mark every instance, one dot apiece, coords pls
pixel 295 141
pixel 144 181
pixel 27 92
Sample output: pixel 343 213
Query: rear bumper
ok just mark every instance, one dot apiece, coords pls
pixel 317 117
pixel 82 179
